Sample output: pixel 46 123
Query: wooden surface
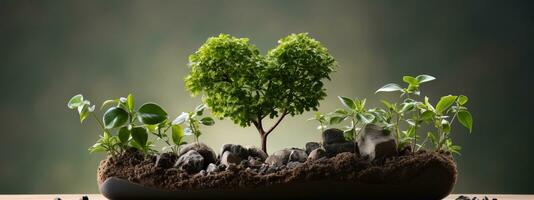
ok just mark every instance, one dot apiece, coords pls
pixel 100 197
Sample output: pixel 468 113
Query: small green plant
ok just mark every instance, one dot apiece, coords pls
pixel 193 123
pixel 406 117
pixel 355 112
pixel 238 83
pixel 131 126
pixel 321 119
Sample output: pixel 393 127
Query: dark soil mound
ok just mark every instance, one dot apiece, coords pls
pixel 431 172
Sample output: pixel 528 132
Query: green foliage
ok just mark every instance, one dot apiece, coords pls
pixel 355 112
pixel 120 118
pixel 322 119
pixel 192 120
pixel 238 83
pixel 407 116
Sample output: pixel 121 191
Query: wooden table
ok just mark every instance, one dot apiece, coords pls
pixel 100 197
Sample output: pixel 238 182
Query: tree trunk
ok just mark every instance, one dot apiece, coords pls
pixel 264 143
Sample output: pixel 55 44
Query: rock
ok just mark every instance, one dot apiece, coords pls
pixel 292 165
pixel 278 158
pixel 166 160
pixel 191 162
pixel 297 155
pixel 212 168
pixel 376 143
pixel 254 162
pixel 336 148
pixel 310 146
pixel 317 154
pixel 232 167
pixel 258 153
pixel 84 197
pixel 204 150
pixel 228 158
pixel 235 149
pixel 333 135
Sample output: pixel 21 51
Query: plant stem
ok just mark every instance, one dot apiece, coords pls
pixel 99 123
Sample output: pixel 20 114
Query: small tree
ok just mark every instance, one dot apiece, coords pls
pixel 238 83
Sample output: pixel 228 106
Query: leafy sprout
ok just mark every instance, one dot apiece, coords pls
pixel 406 117
pixel 191 119
pixel 323 120
pixel 124 126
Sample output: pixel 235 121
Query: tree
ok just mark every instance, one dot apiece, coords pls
pixel 239 83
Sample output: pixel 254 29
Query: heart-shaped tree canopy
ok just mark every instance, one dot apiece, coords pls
pixel 239 83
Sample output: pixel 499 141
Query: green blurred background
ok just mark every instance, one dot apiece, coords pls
pixel 51 50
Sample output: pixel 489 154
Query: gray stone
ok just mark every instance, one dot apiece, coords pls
pixel 212 168
pixel 228 158
pixel 191 162
pixel 235 149
pixel 278 158
pixel 254 162
pixel 257 152
pixel 310 146
pixel 317 154
pixel 336 148
pixel 376 143
pixel 293 165
pixel 166 160
pixel 297 155
pixel 204 150
pixel 333 135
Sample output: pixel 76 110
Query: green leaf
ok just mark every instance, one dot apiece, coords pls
pixel 389 88
pixel 445 103
pixel 84 111
pixel 140 136
pixel 115 117
pixel 347 102
pixel 446 126
pixel 406 107
pixel 424 78
pixel 97 148
pixel 349 134
pixel 208 121
pixel 124 135
pixel 465 118
pixel 429 105
pixel 130 102
pixel 366 118
pixel 341 112
pixel 75 101
pixel 181 118
pixel 199 110
pixel 177 134
pixel 427 115
pixel 410 80
pixel 108 102
pixel 462 100
pixel 151 113
pixel 336 119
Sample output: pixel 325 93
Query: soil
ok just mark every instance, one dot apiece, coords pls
pixel 345 167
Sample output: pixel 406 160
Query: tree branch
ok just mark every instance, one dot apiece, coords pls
pixel 276 124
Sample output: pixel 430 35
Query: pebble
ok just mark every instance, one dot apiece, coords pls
pixel 333 135
pixel 376 143
pixel 310 146
pixel 192 162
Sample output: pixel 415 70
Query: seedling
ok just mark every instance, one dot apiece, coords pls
pixel 132 127
pixel 238 83
pixel 193 123
pixel 355 112
pixel 406 117
pixel 321 119
pixel 415 113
